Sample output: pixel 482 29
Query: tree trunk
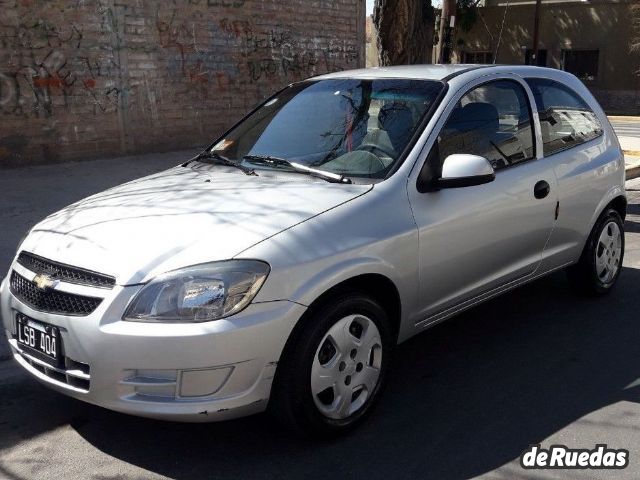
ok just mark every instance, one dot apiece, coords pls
pixel 635 27
pixel 405 31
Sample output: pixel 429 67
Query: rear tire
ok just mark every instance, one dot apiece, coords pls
pixel 600 264
pixel 334 366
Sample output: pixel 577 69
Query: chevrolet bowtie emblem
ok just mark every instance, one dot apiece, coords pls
pixel 44 282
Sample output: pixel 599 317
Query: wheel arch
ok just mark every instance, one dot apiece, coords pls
pixel 380 287
pixel 619 204
pixel 615 198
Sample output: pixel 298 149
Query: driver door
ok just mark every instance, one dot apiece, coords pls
pixel 474 240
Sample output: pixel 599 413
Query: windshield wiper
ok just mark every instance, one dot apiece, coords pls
pixel 298 167
pixel 218 159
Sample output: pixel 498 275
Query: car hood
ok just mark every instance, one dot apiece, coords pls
pixel 180 217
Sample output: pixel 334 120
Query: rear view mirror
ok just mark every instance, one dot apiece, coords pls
pixel 465 170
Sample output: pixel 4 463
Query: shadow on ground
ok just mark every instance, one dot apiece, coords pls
pixel 464 398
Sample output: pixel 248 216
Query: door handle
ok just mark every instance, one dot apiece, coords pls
pixel 541 189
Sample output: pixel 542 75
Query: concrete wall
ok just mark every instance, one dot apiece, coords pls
pixel 600 24
pixel 89 78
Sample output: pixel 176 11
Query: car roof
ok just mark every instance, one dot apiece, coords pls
pixel 438 72
pixel 423 72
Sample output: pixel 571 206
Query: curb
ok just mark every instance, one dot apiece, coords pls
pixel 632 153
pixel 624 118
pixel 632 172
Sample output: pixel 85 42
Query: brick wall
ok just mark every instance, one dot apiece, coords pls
pixel 82 79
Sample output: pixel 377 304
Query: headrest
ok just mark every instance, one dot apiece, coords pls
pixel 478 115
pixel 393 112
pixel 397 120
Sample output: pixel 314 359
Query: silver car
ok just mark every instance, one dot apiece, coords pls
pixel 279 268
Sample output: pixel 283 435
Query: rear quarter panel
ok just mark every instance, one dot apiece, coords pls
pixel 589 177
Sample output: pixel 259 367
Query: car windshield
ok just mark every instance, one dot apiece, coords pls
pixel 355 128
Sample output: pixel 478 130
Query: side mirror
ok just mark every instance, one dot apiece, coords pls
pixel 464 170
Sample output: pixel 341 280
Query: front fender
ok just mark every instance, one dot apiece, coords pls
pixel 372 234
pixel 324 280
pixel 305 283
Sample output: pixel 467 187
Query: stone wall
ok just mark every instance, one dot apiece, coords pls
pixel 82 79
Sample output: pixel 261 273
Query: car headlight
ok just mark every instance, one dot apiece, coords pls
pixel 198 294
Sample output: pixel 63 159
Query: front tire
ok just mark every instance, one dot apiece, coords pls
pixel 334 366
pixel 601 261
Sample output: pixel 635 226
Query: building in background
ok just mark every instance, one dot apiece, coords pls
pixel 98 78
pixel 371 43
pixel 590 39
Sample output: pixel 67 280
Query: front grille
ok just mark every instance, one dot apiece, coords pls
pixel 65 273
pixel 51 301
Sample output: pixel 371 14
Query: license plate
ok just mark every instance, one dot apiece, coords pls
pixel 39 339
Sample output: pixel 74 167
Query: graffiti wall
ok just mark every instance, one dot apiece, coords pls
pixel 90 78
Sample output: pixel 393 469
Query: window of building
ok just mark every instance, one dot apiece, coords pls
pixel 565 118
pixel 582 63
pixel 541 61
pixel 493 121
pixel 477 57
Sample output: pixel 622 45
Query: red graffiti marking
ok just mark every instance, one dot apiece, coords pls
pixel 198 74
pixel 223 81
pixel 198 77
pixel 236 27
pixel 52 81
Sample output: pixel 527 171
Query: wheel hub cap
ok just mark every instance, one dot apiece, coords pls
pixel 346 367
pixel 608 253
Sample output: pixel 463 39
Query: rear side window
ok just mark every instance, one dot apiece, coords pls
pixel 565 119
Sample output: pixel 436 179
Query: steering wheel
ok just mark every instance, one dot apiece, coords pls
pixel 373 148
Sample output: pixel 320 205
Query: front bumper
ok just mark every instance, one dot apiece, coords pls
pixel 187 372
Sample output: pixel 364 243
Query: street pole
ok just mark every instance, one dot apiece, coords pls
pixel 444 17
pixel 536 34
pixel 447 24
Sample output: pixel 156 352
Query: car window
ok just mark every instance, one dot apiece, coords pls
pixel 565 118
pixel 493 121
pixel 353 127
